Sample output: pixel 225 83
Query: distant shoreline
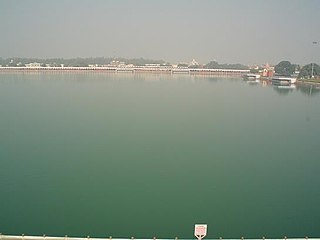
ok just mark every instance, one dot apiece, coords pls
pixel 165 70
pixel 145 70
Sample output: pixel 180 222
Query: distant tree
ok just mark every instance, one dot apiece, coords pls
pixel 216 65
pixel 306 71
pixel 285 68
pixel 80 62
pixel 182 65
pixel 212 64
pixel 141 61
pixel 195 66
pixel 254 70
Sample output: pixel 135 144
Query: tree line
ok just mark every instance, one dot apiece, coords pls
pixel 76 62
pixel 216 65
pixel 308 71
pixel 85 62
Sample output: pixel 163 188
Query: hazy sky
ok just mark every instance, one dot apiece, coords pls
pixel 245 31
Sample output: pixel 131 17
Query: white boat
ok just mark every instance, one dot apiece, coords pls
pixel 287 86
pixel 251 76
pixel 282 80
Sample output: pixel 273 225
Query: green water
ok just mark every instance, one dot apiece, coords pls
pixel 128 155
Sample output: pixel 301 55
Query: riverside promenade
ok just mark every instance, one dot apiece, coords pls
pixel 44 237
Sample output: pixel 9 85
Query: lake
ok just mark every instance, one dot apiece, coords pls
pixel 150 155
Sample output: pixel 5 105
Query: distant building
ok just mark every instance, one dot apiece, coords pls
pixel 268 71
pixel 194 63
pixel 115 63
pixel 182 65
pixel 33 65
pixel 152 65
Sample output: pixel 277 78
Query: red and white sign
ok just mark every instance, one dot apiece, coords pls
pixel 200 230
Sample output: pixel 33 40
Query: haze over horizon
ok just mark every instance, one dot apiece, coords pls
pixel 248 32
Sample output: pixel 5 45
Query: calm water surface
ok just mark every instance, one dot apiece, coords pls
pixel 129 155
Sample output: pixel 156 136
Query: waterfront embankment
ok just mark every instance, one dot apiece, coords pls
pixel 136 69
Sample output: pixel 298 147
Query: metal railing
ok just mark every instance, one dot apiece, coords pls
pixel 66 237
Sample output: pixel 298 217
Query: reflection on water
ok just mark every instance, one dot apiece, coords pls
pixel 284 90
pixel 252 82
pixel 309 90
pixel 148 155
pixel 306 89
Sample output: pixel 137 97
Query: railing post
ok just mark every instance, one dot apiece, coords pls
pixel 110 237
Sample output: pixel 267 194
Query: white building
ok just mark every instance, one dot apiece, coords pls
pixel 33 65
